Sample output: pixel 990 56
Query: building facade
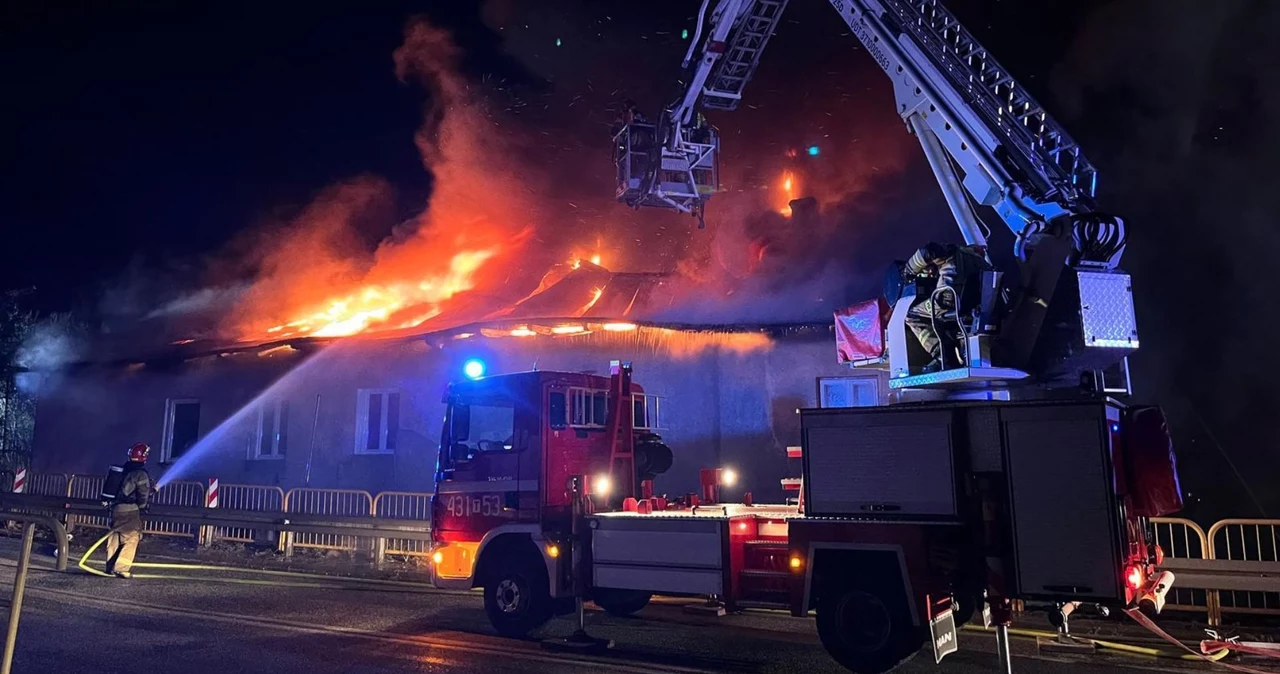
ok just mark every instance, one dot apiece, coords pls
pixel 367 414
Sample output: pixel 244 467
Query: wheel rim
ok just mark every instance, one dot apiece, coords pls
pixel 864 622
pixel 507 595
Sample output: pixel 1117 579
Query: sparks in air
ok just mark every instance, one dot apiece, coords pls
pixel 409 302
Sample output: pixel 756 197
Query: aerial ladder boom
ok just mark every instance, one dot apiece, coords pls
pixel 986 139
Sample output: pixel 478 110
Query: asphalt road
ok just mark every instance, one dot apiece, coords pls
pixel 241 621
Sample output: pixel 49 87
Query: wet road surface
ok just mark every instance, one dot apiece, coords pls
pixel 240 621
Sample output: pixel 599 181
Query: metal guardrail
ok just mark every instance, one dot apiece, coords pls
pixel 341 502
pixel 328 525
pixel 1248 547
pixel 408 506
pixel 20 578
pixel 1182 539
pixel 179 494
pixel 1235 560
pixel 258 498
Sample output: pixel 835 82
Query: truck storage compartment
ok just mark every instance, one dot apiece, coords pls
pixel 891 463
pixel 1052 458
pixel 659 554
pixel 1062 501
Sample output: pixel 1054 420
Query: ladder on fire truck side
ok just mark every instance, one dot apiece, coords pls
pixel 622 441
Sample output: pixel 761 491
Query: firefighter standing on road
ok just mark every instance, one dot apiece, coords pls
pixel 126 513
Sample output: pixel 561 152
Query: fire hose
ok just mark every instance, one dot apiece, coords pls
pixel 1213 650
pixel 1116 646
pixel 403 586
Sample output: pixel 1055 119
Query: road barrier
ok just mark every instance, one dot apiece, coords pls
pixel 90 488
pixel 252 497
pixel 402 505
pixel 340 502
pixel 1182 539
pixel 1249 546
pixel 47 484
pixel 20 576
pixel 177 493
pixel 1237 559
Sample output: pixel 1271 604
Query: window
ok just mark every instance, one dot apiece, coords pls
pixel 377 420
pixel 181 427
pixel 588 408
pixel 483 426
pixel 272 437
pixel 849 391
pixel 646 412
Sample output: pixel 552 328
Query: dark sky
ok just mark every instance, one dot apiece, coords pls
pixel 146 135
pixel 144 132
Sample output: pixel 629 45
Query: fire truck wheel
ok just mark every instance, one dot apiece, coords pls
pixel 867 631
pixel 518 600
pixel 620 603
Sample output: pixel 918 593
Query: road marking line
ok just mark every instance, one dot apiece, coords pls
pixel 511 650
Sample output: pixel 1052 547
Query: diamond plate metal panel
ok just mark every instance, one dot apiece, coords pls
pixel 1106 310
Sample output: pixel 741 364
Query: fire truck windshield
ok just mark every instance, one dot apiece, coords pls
pixel 481 426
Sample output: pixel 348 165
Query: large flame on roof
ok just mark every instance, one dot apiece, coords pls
pixel 317 280
pixel 375 304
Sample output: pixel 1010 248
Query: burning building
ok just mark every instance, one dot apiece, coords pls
pixel 364 412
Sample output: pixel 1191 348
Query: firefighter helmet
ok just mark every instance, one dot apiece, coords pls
pixel 139 452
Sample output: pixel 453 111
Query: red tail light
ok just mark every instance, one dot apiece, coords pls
pixel 1135 577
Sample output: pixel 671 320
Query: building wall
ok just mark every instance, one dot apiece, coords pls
pixel 727 401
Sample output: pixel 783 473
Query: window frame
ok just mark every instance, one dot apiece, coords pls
pixel 853 381
pixel 644 399
pixel 586 398
pixel 166 437
pixel 279 417
pixel 385 445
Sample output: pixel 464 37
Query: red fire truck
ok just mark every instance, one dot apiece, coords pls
pixel 904 509
pixel 1003 470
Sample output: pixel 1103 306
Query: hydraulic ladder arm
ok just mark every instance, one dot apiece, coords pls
pixel 985 137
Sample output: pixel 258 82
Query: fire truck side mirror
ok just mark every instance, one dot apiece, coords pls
pixel 459 453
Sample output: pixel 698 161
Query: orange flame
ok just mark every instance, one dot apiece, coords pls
pixel 372 305
pixel 788 192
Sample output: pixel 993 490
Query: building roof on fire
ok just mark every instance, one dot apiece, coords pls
pixel 568 302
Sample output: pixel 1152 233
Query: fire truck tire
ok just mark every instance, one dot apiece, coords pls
pixel 518 599
pixel 621 603
pixel 867 629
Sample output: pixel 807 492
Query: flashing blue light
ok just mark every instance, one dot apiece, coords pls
pixel 813 150
pixel 474 368
pixel 1115 428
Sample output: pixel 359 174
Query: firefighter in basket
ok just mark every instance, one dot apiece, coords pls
pixel 934 314
pixel 128 490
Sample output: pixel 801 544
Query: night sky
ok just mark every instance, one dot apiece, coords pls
pixel 142 138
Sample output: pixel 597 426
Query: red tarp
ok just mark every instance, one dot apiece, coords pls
pixel 860 330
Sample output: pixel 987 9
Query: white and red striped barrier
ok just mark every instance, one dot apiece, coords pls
pixel 211 494
pixel 20 481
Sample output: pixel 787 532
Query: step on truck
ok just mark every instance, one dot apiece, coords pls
pixel 911 517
